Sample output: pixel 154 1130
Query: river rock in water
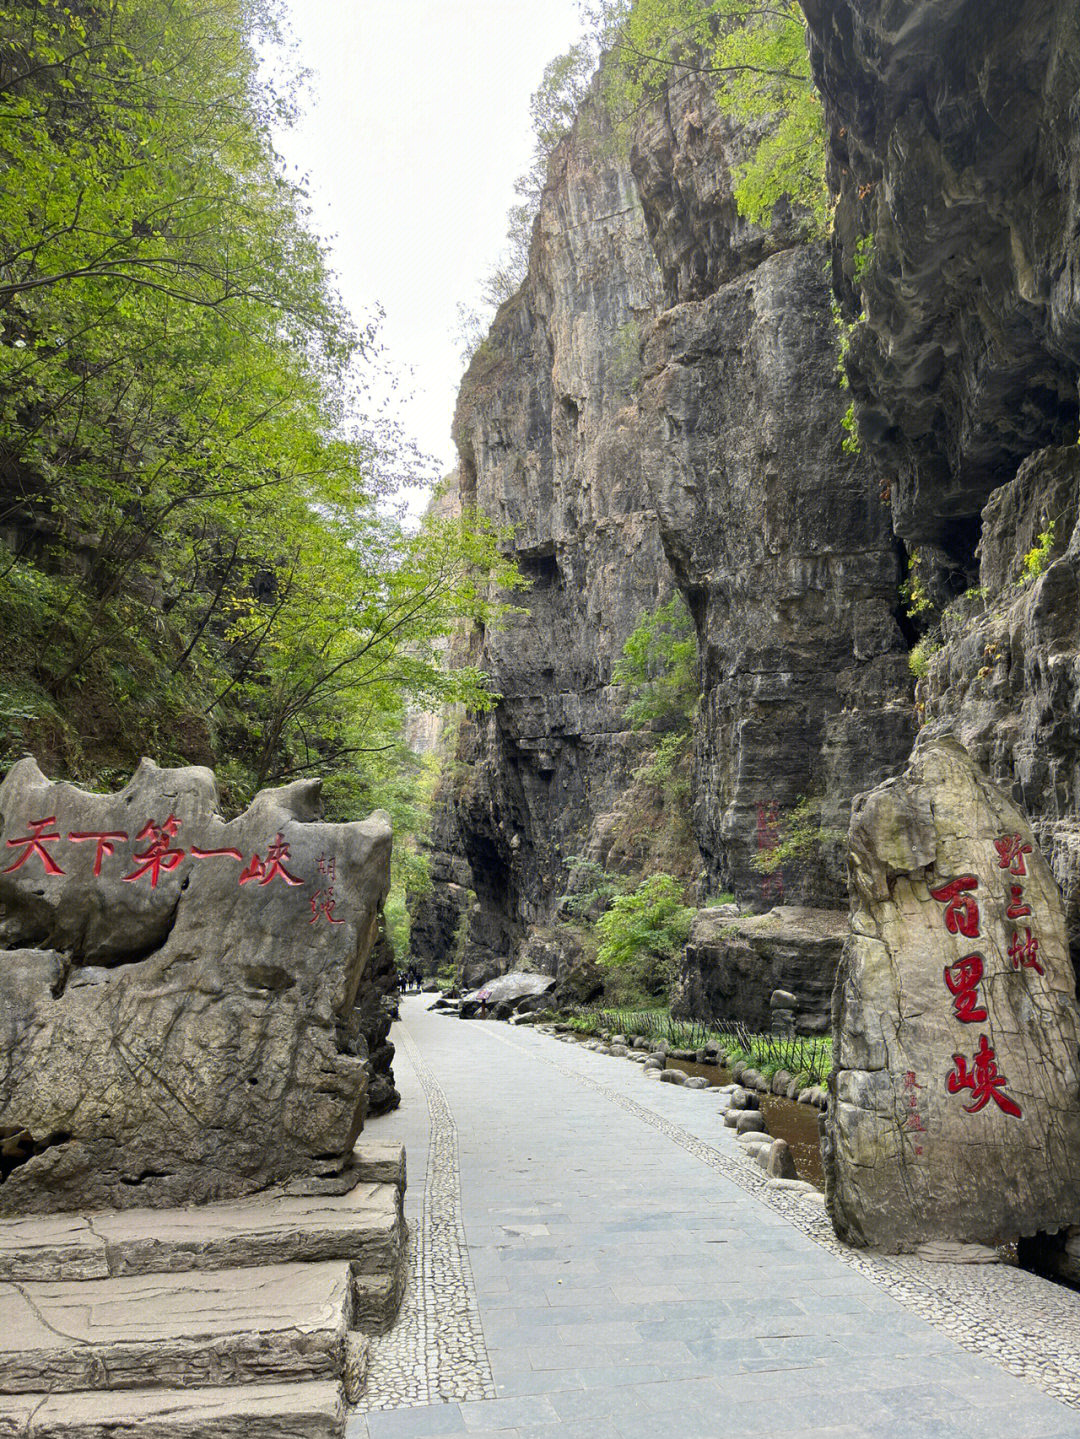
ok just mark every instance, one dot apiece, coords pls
pixel 177 993
pixel 955 1110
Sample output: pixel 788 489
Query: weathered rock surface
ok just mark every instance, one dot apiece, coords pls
pixel 783 547
pixel 956 154
pixel 280 1322
pixel 955 149
pixel 377 993
pixel 178 994
pixel 731 967
pixel 363 1227
pixel 205 1321
pixel 269 1411
pixel 955 1109
pixel 1006 681
pixel 658 407
pixel 511 988
pixel 780 1163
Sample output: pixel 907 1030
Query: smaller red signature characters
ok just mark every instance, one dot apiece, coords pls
pixel 961 910
pixel 914 1122
pixel 159 854
pixel 1024 952
pixel 322 906
pixel 35 845
pixel 1011 850
pixel 983 1079
pixel 962 980
pixel 1017 908
pixel 107 840
pixel 274 864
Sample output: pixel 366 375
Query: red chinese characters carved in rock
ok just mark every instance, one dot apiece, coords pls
pixel 322 906
pixel 768 837
pixel 107 840
pixel 1011 850
pixel 1024 952
pixel 159 854
pixel 274 864
pixel 961 910
pixel 983 1079
pixel 197 853
pixel 962 980
pixel 35 843
pixel 1017 908
pixel 914 1121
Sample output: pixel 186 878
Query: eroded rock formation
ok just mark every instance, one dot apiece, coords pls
pixel 732 966
pixel 178 994
pixel 955 1099
pixel 659 408
pixel 956 153
pixel 956 156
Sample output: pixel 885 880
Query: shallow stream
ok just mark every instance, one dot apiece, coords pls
pixel 797 1123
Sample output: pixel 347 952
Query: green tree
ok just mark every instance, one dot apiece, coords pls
pixel 756 50
pixel 200 558
pixel 645 931
pixel 659 665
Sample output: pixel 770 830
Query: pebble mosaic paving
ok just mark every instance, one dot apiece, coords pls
pixel 436 1350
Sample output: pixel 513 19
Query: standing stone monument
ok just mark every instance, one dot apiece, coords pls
pixel 177 993
pixel 955 1101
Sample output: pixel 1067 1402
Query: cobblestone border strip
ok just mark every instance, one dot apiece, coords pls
pixel 436 1351
pixel 1021 1322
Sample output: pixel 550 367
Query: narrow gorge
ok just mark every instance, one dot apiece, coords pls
pixel 663 408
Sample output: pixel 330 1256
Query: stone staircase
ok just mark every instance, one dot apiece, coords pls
pixel 249 1318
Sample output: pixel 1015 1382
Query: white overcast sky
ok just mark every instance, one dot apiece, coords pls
pixel 416 127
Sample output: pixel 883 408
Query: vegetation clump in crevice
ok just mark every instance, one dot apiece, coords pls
pixel 633 912
pixel 758 57
pixel 802 837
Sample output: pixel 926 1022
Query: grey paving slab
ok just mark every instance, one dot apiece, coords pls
pixel 628 1271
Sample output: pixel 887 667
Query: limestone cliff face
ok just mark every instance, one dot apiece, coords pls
pixel 956 151
pixel 659 407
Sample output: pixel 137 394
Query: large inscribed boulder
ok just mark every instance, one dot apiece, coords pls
pixel 955 1105
pixel 177 993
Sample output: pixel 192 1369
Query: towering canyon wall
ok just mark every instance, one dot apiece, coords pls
pixel 955 149
pixel 659 408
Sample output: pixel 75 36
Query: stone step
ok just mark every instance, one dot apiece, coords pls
pixel 251 1411
pixel 284 1322
pixel 364 1226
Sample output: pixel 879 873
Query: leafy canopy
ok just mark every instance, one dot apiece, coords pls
pixel 199 558
pixel 652 923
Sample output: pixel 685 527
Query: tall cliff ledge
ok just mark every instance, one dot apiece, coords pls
pixel 659 408
pixel 955 149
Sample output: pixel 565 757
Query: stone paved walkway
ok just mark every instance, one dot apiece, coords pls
pixel 593 1261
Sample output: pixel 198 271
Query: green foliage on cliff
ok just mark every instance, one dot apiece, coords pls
pixel 1036 558
pixel 646 930
pixel 802 836
pixel 198 552
pixel 659 665
pixel 757 53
